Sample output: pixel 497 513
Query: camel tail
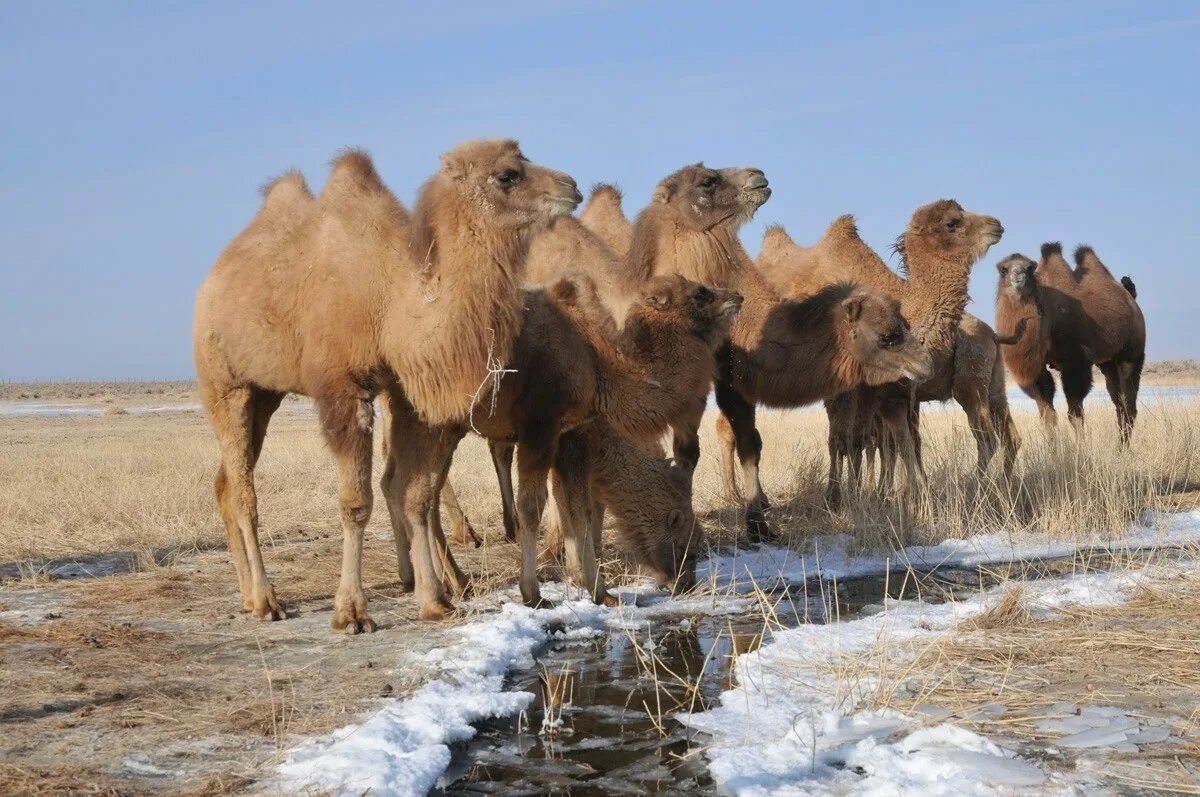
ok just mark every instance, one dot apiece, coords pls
pixel 1015 337
pixel 1051 248
pixel 1129 286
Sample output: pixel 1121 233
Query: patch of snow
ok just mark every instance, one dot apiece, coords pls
pixel 791 726
pixel 404 748
pixel 829 556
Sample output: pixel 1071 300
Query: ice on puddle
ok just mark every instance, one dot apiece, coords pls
pixel 1101 726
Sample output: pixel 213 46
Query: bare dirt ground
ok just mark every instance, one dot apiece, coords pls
pixel 142 677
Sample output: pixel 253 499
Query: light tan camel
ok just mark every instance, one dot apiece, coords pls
pixel 343 297
pixel 566 372
pixel 783 353
pixel 1080 318
pixel 972 373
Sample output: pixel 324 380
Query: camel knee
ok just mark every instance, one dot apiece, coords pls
pixel 357 512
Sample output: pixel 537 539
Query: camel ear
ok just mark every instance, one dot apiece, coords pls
pixel 662 193
pixel 452 166
pixel 675 519
pixel 656 300
pixel 853 307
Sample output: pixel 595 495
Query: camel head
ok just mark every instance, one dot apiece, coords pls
pixel 503 184
pixel 1018 276
pixel 880 342
pixel 704 198
pixel 944 232
pixel 669 554
pixel 675 301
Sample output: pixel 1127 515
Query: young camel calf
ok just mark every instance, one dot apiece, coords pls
pixel 564 374
pixel 343 297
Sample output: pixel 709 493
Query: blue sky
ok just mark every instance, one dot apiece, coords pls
pixel 136 134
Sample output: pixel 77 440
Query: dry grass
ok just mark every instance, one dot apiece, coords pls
pixel 89 485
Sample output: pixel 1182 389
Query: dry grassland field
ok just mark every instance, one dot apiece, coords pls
pixel 129 669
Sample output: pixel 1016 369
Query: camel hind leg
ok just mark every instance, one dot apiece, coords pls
pixel 740 414
pixel 418 454
pixel 347 420
pixel 502 462
pixel 535 458
pixel 462 532
pixel 727 443
pixel 1122 379
pixel 1077 383
pixel 235 415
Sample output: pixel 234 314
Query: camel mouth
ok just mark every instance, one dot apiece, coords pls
pixel 731 307
pixel 562 205
pixel 758 195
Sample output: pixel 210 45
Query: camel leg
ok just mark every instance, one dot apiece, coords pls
pixel 1077 383
pixel 574 502
pixel 463 532
pixel 554 541
pixel 401 533
pixel 502 461
pixel 685 435
pixel 979 419
pixel 727 443
pixel 347 419
pixel 263 406
pixel 1042 392
pixel 1131 380
pixel 233 418
pixel 740 414
pixel 420 453
pixel 453 577
pixel 535 457
pixel 839 411
pixel 896 420
pixel 1116 391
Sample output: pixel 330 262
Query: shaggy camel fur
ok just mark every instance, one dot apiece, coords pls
pixel 344 296
pixel 1079 318
pixel 973 375
pixel 564 373
pixel 604 216
pixel 782 353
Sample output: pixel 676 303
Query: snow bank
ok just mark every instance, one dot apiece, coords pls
pixel 403 749
pixel 830 557
pixel 790 726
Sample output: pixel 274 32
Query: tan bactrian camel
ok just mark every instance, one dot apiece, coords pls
pixel 566 372
pixel 1079 318
pixel 783 353
pixel 931 298
pixel 344 296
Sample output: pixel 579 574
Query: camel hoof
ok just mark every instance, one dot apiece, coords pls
pixel 437 610
pixel 354 625
pixel 270 612
pixel 538 602
pixel 350 614
pixel 757 528
pixel 407 586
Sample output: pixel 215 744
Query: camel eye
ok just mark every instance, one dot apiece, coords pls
pixel 890 339
pixel 953 224
pixel 703 296
pixel 708 182
pixel 508 178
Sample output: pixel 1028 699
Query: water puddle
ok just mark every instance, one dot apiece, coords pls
pixel 602 721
